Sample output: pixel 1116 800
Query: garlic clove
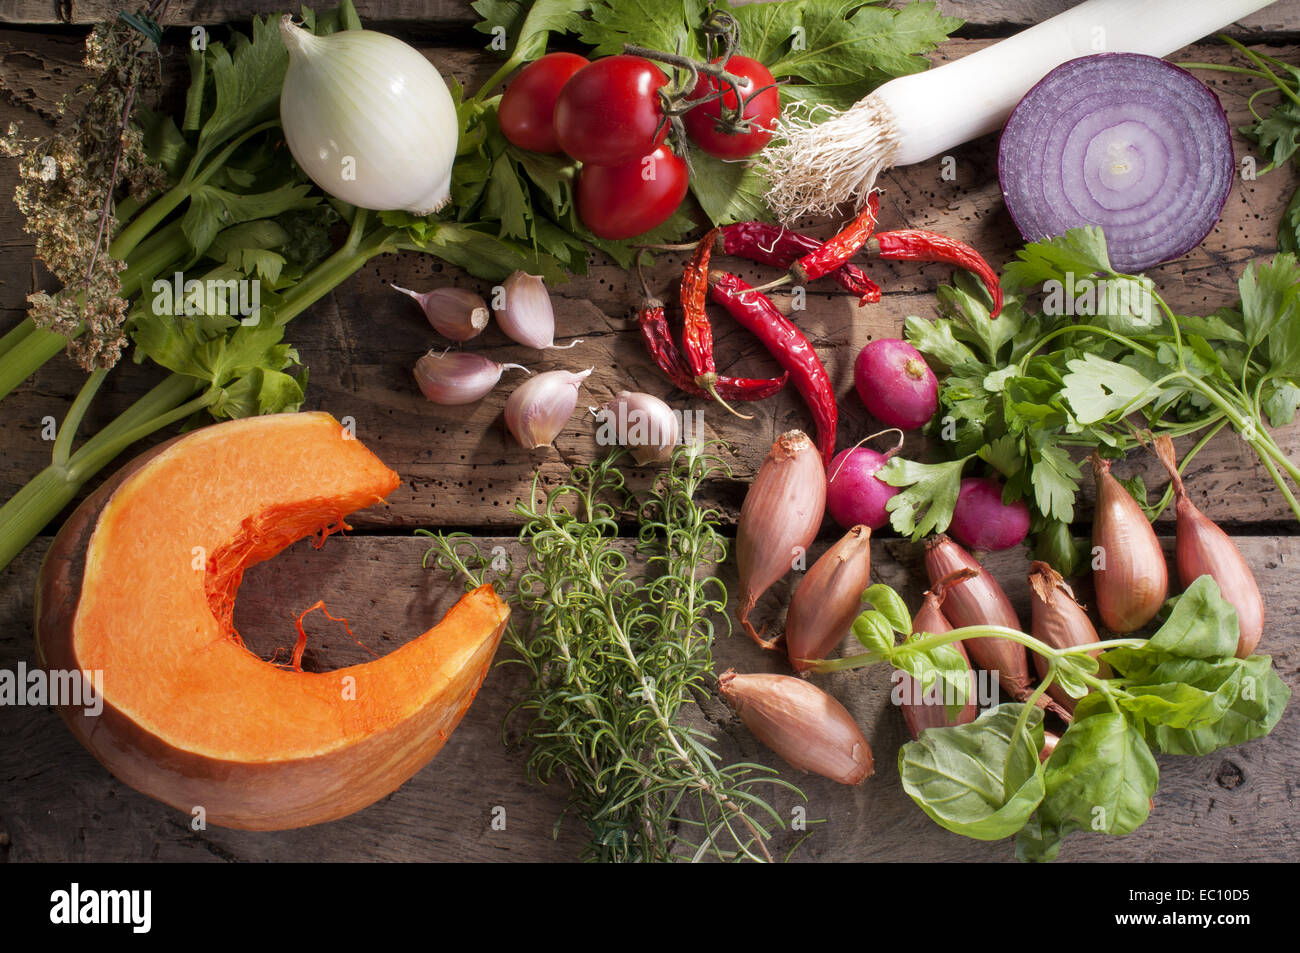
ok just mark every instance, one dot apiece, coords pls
pixel 540 407
pixel 641 422
pixel 526 314
pixel 454 312
pixel 458 377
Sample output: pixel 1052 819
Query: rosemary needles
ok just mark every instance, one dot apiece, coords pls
pixel 614 648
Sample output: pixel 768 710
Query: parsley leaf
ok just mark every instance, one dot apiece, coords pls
pixel 929 495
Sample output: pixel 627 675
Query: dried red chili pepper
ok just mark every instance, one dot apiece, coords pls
pixel 658 339
pixel 787 343
pixel 697 333
pixel 916 244
pixel 775 245
pixel 841 247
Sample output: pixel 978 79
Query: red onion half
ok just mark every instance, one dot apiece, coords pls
pixel 1125 141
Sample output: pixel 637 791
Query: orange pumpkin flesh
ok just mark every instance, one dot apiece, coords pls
pixel 190 716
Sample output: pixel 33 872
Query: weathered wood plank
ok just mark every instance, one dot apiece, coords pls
pixel 57 803
pixel 1284 15
pixel 460 467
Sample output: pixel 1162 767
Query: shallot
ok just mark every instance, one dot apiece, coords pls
pixel 979 601
pixel 1058 620
pixel 828 599
pixel 778 520
pixel 1203 549
pixel 921 711
pixel 801 723
pixel 1128 565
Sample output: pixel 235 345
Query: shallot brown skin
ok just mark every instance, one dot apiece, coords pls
pixel 979 600
pixel 778 520
pixel 1050 741
pixel 1203 549
pixel 801 723
pixel 828 599
pixel 930 619
pixel 1058 620
pixel 1129 571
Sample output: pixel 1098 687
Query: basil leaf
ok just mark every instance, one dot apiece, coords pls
pixel 1252 714
pixel 873 630
pixel 1100 777
pixel 1202 624
pixel 942 672
pixel 891 605
pixel 958 775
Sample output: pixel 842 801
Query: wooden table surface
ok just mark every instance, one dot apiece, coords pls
pixel 461 470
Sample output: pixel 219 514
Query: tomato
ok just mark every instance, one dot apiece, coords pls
pixel 619 201
pixel 761 110
pixel 609 112
pixel 527 109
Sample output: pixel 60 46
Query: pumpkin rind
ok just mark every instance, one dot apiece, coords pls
pixel 192 718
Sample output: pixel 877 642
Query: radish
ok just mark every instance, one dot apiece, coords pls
pixel 896 384
pixel 981 520
pixel 854 494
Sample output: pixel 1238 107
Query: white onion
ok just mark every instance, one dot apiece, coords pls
pixel 368 118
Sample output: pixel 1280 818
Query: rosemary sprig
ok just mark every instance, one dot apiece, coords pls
pixel 613 656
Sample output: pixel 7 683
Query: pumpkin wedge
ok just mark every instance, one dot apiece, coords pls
pixel 140 585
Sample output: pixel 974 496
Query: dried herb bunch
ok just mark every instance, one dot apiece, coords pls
pixel 70 184
pixel 613 656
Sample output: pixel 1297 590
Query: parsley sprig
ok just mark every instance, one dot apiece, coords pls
pixel 1101 360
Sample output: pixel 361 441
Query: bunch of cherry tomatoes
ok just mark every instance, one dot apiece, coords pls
pixel 609 114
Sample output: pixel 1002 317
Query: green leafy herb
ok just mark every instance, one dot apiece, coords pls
pixel 1278 133
pixel 983 779
pixel 1180 692
pixel 1103 358
pixel 824 52
pixel 613 657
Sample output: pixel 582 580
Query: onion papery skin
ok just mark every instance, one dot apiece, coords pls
pixel 980 600
pixel 800 722
pixel 1201 548
pixel 929 619
pixel 1130 575
pixel 1058 620
pixel 1121 140
pixel 369 119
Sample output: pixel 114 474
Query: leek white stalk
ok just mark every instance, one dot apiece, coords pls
pixel 369 119
pixel 816 167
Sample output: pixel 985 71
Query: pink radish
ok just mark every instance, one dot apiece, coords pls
pixel 854 494
pixel 896 384
pixel 980 520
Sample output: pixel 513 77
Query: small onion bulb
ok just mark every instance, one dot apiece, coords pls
pixel 368 118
